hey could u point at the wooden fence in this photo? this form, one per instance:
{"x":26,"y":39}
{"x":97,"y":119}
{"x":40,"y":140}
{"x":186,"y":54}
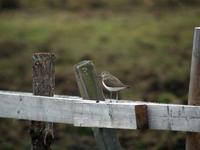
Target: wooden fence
{"x":121,"y":114}
{"x":104,"y":116}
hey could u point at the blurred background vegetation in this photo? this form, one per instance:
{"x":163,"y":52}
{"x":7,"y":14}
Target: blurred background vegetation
{"x":146,"y":43}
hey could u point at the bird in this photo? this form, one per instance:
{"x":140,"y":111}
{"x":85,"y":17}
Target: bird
{"x":112,"y":83}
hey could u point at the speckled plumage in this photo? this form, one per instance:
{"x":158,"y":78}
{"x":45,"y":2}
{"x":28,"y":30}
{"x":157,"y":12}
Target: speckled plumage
{"x":111,"y":83}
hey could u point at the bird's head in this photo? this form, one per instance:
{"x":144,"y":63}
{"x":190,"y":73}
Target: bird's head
{"x":104,"y":74}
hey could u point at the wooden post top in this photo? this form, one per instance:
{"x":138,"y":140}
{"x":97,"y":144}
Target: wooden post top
{"x":196,"y":42}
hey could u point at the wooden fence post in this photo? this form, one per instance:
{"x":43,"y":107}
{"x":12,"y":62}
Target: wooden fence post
{"x":193,"y":139}
{"x":90,"y":88}
{"x":43,"y":84}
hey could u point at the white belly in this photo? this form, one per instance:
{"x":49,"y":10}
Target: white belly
{"x":112,"y":89}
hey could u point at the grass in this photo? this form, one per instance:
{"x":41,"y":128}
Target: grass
{"x":137,"y":43}
{"x":149,"y":50}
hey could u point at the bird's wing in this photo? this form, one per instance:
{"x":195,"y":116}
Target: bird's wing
{"x":112,"y":81}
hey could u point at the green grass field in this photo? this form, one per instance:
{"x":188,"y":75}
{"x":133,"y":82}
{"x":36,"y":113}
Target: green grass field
{"x":149,"y":50}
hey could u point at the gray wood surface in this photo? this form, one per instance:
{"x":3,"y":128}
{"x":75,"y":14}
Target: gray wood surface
{"x":102,"y":114}
{"x":90,"y":88}
{"x":43,"y":84}
{"x":66,"y":109}
{"x":193,"y":139}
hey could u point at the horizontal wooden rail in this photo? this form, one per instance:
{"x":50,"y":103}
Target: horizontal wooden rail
{"x":104,"y":114}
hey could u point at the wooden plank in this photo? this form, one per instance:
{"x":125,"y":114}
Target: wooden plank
{"x":64,"y":109}
{"x":160,"y":116}
{"x":43,"y":84}
{"x":90,"y":88}
{"x":174,"y":117}
{"x":103,"y":114}
{"x":193,"y":139}
{"x":39,"y":108}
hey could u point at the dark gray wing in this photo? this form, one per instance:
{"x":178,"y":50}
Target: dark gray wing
{"x":112,"y":81}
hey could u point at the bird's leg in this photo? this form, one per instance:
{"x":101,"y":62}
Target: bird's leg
{"x":110,"y":95}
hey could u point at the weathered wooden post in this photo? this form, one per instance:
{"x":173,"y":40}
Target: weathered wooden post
{"x":90,"y":88}
{"x":43,"y":84}
{"x":193,"y":139}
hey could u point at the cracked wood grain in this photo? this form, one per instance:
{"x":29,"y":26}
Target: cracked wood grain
{"x":66,"y":109}
{"x":90,"y":88}
{"x":43,"y":84}
{"x":193,"y":139}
